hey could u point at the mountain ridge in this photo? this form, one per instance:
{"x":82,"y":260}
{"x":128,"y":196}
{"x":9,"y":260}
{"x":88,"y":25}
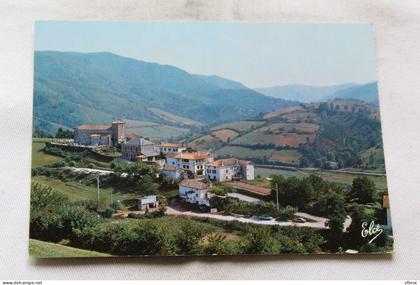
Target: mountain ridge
{"x":311,"y":93}
{"x":72,"y":88}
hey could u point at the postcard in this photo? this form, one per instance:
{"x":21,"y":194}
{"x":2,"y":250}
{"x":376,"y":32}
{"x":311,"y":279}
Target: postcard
{"x":206,"y":138}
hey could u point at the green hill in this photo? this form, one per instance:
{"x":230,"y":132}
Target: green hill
{"x":77,"y":88}
{"x":39,"y":248}
{"x":305,"y":135}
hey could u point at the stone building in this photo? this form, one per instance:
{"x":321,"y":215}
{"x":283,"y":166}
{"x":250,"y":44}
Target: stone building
{"x":100,"y":134}
{"x":139,"y":149}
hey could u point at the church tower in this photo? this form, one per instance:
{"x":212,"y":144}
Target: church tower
{"x":118,"y":132}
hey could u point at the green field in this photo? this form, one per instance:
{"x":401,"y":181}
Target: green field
{"x":174,"y":118}
{"x":138,"y":123}
{"x":286,"y":156}
{"x":240,"y":126}
{"x":256,"y":137}
{"x":39,"y":158}
{"x":157,"y":131}
{"x":80,"y":192}
{"x":39,"y":248}
{"x":341,"y":178}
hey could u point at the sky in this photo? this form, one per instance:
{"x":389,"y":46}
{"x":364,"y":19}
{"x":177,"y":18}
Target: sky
{"x":255,"y":54}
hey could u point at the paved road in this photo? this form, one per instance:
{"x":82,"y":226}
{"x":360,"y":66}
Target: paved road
{"x":89,"y":170}
{"x":319,"y":221}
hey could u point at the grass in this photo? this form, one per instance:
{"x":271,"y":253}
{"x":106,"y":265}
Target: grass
{"x":139,"y":123}
{"x":287,"y":156}
{"x":39,"y":248}
{"x":341,"y":178}
{"x":256,"y":137}
{"x":225,"y":134}
{"x":174,"y":118}
{"x":240,"y":126}
{"x":174,"y":224}
{"x":260,"y":136}
{"x":80,"y":192}
{"x":41,"y":140}
{"x":157,"y":131}
{"x":204,"y":143}
{"x":39,"y":158}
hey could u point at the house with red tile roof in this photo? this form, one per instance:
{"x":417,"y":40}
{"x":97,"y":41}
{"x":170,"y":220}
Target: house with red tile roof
{"x":192,"y":163}
{"x":229,"y":169}
{"x":194,"y":192}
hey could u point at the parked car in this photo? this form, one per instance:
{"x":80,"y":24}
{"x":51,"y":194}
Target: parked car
{"x":299,"y":220}
{"x":264,"y":218}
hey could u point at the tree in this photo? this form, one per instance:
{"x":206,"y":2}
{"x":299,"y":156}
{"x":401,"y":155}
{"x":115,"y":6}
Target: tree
{"x":363,"y":190}
{"x":336,"y":212}
{"x":260,"y":240}
{"x":359,"y":215}
{"x":303,"y":162}
{"x":188,"y":238}
{"x":294,"y":191}
{"x":216,"y":244}
{"x":64,"y":134}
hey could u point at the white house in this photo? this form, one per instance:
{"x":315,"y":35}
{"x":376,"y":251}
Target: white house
{"x":147,"y":202}
{"x":190,"y":162}
{"x":229,"y":169}
{"x":194,"y":192}
{"x":166,"y":148}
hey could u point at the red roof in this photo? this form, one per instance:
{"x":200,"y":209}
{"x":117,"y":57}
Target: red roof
{"x":191,"y":155}
{"x":190,"y":183}
{"x":169,"y":168}
{"x":228,"y":162}
{"x":133,"y":136}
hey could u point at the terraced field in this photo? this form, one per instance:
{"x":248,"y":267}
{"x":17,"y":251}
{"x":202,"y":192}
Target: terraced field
{"x":225,"y":134}
{"x":240,"y":126}
{"x":174,"y":118}
{"x":157,"y":131}
{"x":204,"y":143}
{"x":287,"y":156}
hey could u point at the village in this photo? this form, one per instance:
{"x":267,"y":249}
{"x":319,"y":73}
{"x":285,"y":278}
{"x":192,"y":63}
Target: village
{"x":196,"y":173}
{"x":127,"y":180}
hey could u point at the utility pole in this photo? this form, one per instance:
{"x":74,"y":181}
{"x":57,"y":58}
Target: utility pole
{"x":97,"y":185}
{"x":112,"y":204}
{"x":277,"y":196}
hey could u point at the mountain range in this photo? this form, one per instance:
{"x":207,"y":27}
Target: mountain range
{"x":73,"y":88}
{"x":307,"y":93}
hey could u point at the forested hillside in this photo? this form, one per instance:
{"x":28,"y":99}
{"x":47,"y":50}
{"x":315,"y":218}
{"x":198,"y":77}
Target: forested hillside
{"x":77,"y":88}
